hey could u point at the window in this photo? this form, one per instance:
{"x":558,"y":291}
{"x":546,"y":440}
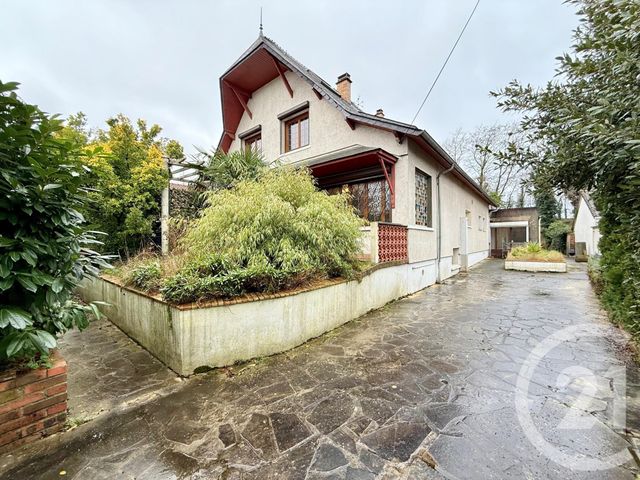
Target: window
{"x":423,"y":213}
{"x":480,"y":223}
{"x":467,"y":214}
{"x":254,"y":142}
{"x":296,"y":132}
{"x":371,"y":199}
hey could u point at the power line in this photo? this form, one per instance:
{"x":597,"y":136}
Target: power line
{"x":446,"y":61}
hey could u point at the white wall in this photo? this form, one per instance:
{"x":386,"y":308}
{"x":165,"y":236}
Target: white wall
{"x":586,"y":228}
{"x":456,"y":200}
{"x":328,"y":129}
{"x":188,"y":337}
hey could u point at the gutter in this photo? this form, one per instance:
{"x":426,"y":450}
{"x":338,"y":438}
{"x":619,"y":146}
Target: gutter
{"x":439,"y":236}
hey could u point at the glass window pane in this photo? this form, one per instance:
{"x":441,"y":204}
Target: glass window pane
{"x":293,"y":136}
{"x":304,"y":132}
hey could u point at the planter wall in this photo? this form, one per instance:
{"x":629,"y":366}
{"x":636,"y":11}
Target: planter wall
{"x":224,"y":332}
{"x":33,"y":403}
{"x":559,"y":267}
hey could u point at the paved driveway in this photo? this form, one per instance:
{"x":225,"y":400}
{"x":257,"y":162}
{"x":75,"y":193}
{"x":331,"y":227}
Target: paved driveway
{"x":424,"y":388}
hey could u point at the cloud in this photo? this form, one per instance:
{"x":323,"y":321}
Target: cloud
{"x":160,"y":60}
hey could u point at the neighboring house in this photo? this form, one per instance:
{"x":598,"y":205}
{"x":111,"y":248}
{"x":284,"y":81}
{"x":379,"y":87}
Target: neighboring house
{"x":511,"y":226}
{"x":395,"y":172}
{"x":585,"y":225}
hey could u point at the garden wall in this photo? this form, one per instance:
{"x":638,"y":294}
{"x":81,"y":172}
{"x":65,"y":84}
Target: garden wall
{"x":33,"y":404}
{"x":223,"y":332}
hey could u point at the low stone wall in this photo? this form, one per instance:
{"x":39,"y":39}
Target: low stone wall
{"x":33,"y":403}
{"x":559,"y":267}
{"x":220,"y":333}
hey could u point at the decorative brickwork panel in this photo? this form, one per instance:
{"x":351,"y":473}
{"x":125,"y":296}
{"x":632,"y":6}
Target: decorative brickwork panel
{"x":392,"y":243}
{"x":33,"y":403}
{"x":424,"y":215}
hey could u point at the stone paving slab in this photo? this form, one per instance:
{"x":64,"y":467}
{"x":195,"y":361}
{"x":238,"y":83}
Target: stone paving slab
{"x":424,"y":388}
{"x":107,"y":370}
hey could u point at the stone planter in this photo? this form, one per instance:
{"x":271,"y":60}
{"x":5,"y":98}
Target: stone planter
{"x":187,"y":338}
{"x":558,"y":267}
{"x":33,"y":403}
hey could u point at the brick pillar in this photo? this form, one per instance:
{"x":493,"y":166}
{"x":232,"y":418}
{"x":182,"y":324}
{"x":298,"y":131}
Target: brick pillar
{"x":33,"y":403}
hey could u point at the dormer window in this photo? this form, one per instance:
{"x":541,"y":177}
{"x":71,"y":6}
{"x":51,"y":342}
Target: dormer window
{"x":296,"y":132}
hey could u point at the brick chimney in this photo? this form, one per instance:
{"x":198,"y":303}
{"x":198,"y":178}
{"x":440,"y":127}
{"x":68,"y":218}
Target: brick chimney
{"x":344,"y":86}
{"x":380,"y":113}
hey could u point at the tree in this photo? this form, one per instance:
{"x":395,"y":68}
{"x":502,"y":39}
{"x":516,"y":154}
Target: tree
{"x":556,"y":235}
{"x":476,"y":151}
{"x":587,"y":123}
{"x":45,"y":248}
{"x":127,"y":175}
{"x":224,"y":170}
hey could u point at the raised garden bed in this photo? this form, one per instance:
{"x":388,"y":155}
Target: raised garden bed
{"x":533,"y":258}
{"x":559,"y":267}
{"x":218,"y":333}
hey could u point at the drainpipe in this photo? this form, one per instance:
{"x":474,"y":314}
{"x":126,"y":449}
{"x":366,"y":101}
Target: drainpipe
{"x":439,"y":236}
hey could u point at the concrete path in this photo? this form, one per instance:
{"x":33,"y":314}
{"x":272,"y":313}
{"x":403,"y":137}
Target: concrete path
{"x":426,"y":388}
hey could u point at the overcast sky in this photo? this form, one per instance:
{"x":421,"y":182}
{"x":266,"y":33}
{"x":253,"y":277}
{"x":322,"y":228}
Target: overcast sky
{"x":160,"y":60}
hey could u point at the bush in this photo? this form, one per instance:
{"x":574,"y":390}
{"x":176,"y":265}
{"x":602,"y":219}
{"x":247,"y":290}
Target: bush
{"x":145,"y":276}
{"x":533,"y":252}
{"x":44,"y":249}
{"x":277,"y":232}
{"x":595,"y":274}
{"x":556,"y":235}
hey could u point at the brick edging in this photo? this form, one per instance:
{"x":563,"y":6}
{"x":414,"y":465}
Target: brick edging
{"x":33,"y":403}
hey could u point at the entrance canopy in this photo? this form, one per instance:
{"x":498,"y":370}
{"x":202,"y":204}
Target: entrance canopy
{"x":351,"y":165}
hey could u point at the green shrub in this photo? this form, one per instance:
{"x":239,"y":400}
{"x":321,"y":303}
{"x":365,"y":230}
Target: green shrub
{"x":533,"y":252}
{"x":44,"y":248}
{"x":595,"y":274}
{"x":556,"y":235}
{"x":145,"y":276}
{"x":272,"y":233}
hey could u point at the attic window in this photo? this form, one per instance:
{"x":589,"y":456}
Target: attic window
{"x":296,"y":132}
{"x":254,"y":142}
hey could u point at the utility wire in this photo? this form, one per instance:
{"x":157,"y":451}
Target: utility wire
{"x":446,"y":61}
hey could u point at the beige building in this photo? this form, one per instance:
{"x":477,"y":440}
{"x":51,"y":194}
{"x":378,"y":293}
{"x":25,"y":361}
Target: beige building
{"x":513,"y":226}
{"x":421,"y":206}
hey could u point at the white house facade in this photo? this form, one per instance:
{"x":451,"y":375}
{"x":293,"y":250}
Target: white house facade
{"x":585,"y":226}
{"x":422,"y":207}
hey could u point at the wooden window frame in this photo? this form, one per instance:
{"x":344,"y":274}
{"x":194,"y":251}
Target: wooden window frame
{"x":251,"y":139}
{"x":297,"y":119}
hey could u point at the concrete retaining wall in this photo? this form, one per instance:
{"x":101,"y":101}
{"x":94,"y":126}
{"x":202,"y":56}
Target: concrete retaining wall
{"x":559,"y":267}
{"x":185,"y":338}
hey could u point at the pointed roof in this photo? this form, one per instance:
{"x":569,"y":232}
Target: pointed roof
{"x":265,"y":60}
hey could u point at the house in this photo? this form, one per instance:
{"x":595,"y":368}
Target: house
{"x":422,"y":207}
{"x":585,"y":225}
{"x":510,"y":226}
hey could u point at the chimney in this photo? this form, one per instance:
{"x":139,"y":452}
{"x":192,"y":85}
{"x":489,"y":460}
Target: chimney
{"x":379,"y":113}
{"x":344,"y":86}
